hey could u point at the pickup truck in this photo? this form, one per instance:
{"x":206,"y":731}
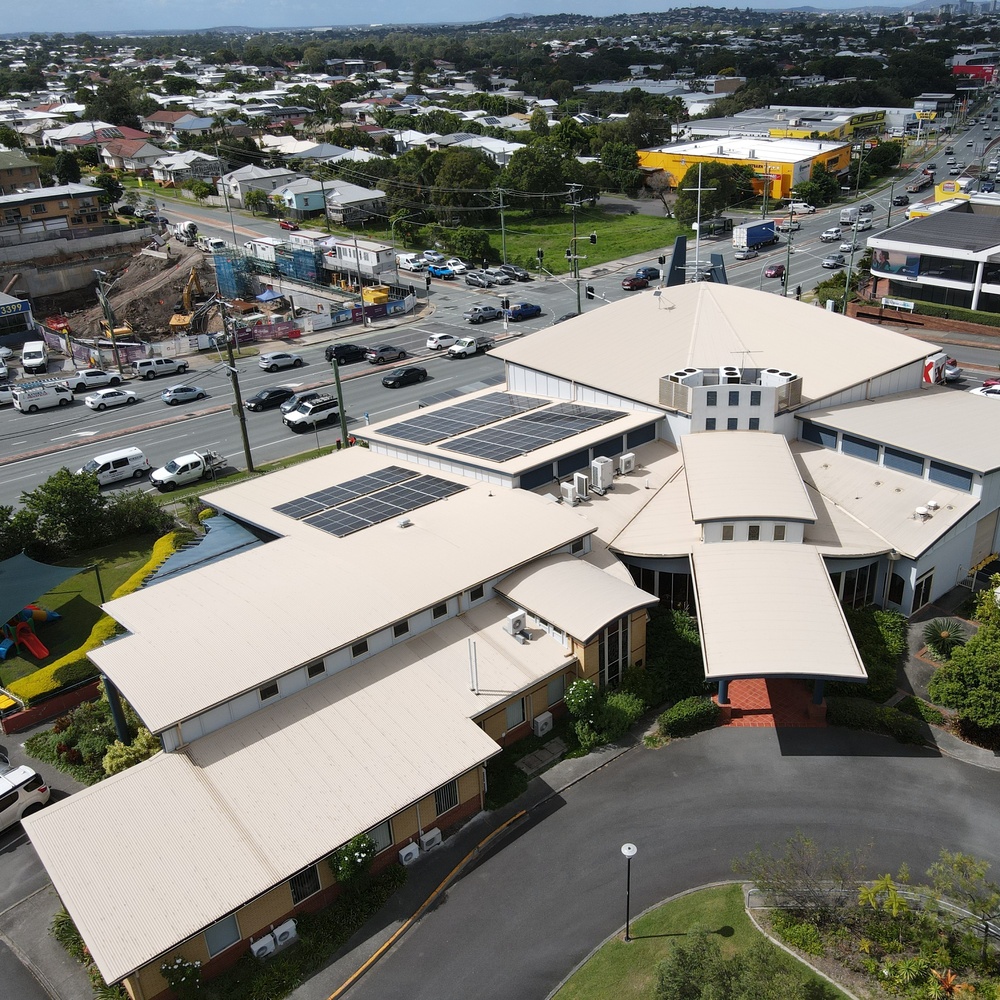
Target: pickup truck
{"x":469,"y":346}
{"x":481,"y":312}
{"x":187,"y":469}
{"x":523,"y":310}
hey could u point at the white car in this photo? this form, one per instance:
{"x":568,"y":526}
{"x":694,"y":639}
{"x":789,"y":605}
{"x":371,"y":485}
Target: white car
{"x":104,"y":398}
{"x":280,"y":359}
{"x":831,"y":235}
{"x":6,"y":354}
{"x":993,"y":391}
{"x":456,"y":265}
{"x":6,"y":393}
{"x":91,"y":378}
{"x":849,"y":247}
{"x":440,"y":341}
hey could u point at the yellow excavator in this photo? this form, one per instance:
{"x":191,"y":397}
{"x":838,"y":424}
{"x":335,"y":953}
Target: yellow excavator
{"x":181,"y":320}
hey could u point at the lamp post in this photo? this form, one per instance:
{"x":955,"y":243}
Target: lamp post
{"x":630,"y":851}
{"x":888,"y":214}
{"x":788,"y":252}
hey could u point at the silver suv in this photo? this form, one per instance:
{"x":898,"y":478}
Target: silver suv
{"x":155,"y":367}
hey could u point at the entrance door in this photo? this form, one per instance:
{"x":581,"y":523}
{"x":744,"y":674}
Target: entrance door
{"x":922,"y":591}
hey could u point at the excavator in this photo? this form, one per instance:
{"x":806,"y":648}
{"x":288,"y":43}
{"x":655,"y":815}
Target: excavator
{"x":188,"y":313}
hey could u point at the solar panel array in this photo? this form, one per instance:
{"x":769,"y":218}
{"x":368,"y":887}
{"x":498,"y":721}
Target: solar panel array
{"x":439,"y":397}
{"x":531,"y":431}
{"x":451,"y":420}
{"x":313,"y":503}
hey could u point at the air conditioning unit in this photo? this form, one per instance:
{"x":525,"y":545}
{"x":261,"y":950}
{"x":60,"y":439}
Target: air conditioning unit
{"x":285,"y":934}
{"x":626,"y":463}
{"x":776,"y":377}
{"x":582,"y":483}
{"x":263,"y":947}
{"x":687,"y":376}
{"x":542,"y":724}
{"x":569,"y":494}
{"x":409,"y":854}
{"x":430,"y":839}
{"x":515,"y":622}
{"x":729,"y":375}
{"x":602,"y":473}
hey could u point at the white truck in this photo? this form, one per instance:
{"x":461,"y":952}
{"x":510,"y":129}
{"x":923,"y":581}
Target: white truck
{"x":187,"y":469}
{"x":210,"y":244}
{"x":848,"y":216}
{"x":466,"y":347}
{"x":186,"y":232}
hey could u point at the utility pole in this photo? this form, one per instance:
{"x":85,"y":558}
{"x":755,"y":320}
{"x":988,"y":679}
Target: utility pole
{"x":340,"y":402}
{"x":361,"y":288}
{"x":788,"y":252}
{"x":225,"y":193}
{"x":503,"y":228}
{"x":234,"y":377}
{"x":574,"y":263}
{"x":850,"y":264}
{"x":697,"y":234}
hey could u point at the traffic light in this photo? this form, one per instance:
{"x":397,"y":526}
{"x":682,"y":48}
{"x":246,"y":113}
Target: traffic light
{"x":569,"y":253}
{"x":593,"y":237}
{"x":505,"y":303}
{"x":539,"y":253}
{"x":782,"y":281}
{"x":798,"y":291}
{"x":662,"y":260}
{"x":428,"y":281}
{"x":590,"y":291}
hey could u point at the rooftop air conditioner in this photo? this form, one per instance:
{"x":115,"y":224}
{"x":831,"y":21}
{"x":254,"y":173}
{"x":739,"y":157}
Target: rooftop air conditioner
{"x":409,"y":854}
{"x":602,"y":474}
{"x":542,"y":724}
{"x":285,"y":934}
{"x":430,"y":839}
{"x":729,"y":375}
{"x":569,"y":494}
{"x":581,"y":481}
{"x":776,"y":377}
{"x":263,"y":947}
{"x":687,"y":376}
{"x":626,"y":463}
{"x":515,"y":623}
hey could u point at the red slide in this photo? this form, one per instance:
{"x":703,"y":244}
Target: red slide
{"x":25,"y":637}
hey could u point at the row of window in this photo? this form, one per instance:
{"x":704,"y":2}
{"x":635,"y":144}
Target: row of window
{"x":733,"y":424}
{"x":515,"y":714}
{"x":753,"y":532}
{"x":712,"y":397}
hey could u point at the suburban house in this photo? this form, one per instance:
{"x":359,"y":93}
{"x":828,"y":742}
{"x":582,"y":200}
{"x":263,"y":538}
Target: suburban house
{"x":236,"y":183}
{"x":172,"y":169}
{"x":345,"y":203}
{"x":162,"y":123}
{"x":17,"y":172}
{"x":137,"y":156}
{"x":729,"y":462}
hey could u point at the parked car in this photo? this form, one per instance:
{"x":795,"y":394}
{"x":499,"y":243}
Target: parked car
{"x":633,"y":282}
{"x":182,"y":394}
{"x":91,"y":378}
{"x":104,"y":398}
{"x":523,"y":310}
{"x":155,"y":367}
{"x":275,"y":360}
{"x":6,"y":393}
{"x":268,"y":399}
{"x":440,"y":341}
{"x":345,"y":354}
{"x":288,"y":224}
{"x":433,"y":257}
{"x":295,"y":401}
{"x":748,"y":254}
{"x":456,"y":265}
{"x":774,"y":271}
{"x":127,"y":210}
{"x":404,"y":376}
{"x":900,"y":199}
{"x":834,"y":260}
{"x":831,"y":235}
{"x":515,"y":272}
{"x":440,"y":271}
{"x":497,"y":276}
{"x":993,"y":391}
{"x":384,"y":352}
{"x":649,"y":273}
{"x":479,"y":278}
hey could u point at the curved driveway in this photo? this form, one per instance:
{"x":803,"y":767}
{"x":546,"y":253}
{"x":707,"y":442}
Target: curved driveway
{"x":516,"y":923}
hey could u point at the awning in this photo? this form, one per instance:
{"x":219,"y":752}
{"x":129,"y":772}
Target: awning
{"x":269,"y":295}
{"x":22,"y":580}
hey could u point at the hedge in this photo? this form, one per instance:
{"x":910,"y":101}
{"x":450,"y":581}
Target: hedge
{"x":859,"y":713}
{"x":688,"y":717}
{"x":75,"y":666}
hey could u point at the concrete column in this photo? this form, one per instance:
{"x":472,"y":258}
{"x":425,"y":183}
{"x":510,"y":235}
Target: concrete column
{"x":978,"y":287}
{"x":724,"y":691}
{"x":818,"y":691}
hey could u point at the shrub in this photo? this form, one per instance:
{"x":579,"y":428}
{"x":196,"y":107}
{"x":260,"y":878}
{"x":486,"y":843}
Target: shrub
{"x":648,"y":685}
{"x":120,"y":757}
{"x":674,"y":654}
{"x":350,"y":863}
{"x":859,"y":713}
{"x":620,"y":711}
{"x":689,"y":716}
{"x":800,"y":934}
{"x":944,"y":635}
{"x":587,"y":736}
{"x":881,"y":640}
{"x":920,"y":710}
{"x":581,"y":699}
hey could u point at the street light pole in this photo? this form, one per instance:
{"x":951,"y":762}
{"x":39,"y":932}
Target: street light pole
{"x":630,"y":851}
{"x":574,"y":263}
{"x":888,"y":214}
{"x":234,"y":377}
{"x":788,"y":252}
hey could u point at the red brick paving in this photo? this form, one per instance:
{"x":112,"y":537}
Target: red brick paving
{"x":770,"y":703}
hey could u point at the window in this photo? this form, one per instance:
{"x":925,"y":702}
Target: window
{"x":440,"y":610}
{"x":710,"y":424}
{"x":779,"y":532}
{"x":732,"y":424}
{"x":859,"y":448}
{"x":222,"y":934}
{"x":359,"y":648}
{"x":304,"y":885}
{"x":577,"y":547}
{"x":896,"y":585}
{"x":446,"y":797}
{"x":948,"y":475}
{"x":641,"y":436}
{"x":711,"y":398}
{"x":39,"y":209}
{"x":755,"y":397}
{"x":727,"y":532}
{"x":753,"y":532}
{"x":734,"y":397}
{"x":754,"y":424}
{"x":268,"y":691}
{"x":555,"y":691}
{"x":818,"y":435}
{"x":922,"y":590}
{"x":401,"y":628}
{"x":613,"y":652}
{"x":514,"y":715}
{"x":316,"y":669}
{"x":476,"y":594}
{"x":381,"y":836}
{"x":903,"y":461}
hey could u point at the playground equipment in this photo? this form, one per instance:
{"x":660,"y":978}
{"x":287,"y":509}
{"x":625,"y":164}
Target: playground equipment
{"x":19,"y":632}
{"x":24,"y":635}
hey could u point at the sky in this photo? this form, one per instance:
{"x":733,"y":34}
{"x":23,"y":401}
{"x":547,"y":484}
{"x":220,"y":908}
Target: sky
{"x":72,"y":16}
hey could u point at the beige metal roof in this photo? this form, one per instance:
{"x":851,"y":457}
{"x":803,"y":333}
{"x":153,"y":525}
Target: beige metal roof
{"x":199,"y":639}
{"x":708,"y":325}
{"x":768,"y":609}
{"x":883,"y":500}
{"x":663,"y":528}
{"x":942,"y":423}
{"x":572,"y":594}
{"x":738,"y":474}
{"x":246,"y":807}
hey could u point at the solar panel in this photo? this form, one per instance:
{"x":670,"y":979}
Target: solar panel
{"x":299,"y":508}
{"x":333,"y":495}
{"x":465,"y":416}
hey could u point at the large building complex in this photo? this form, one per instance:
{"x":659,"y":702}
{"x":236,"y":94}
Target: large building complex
{"x":406,"y":609}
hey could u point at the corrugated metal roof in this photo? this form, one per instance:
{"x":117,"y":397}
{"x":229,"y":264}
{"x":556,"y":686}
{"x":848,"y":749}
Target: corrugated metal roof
{"x":705,"y":325}
{"x":957,"y":229}
{"x":768,"y":609}
{"x":201,"y":639}
{"x":248,"y":806}
{"x":945,"y":424}
{"x":737,"y":474}
{"x":573,"y":595}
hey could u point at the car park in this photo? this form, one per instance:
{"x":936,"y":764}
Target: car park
{"x":634,"y":282}
{"x":296,"y":400}
{"x":384,"y":352}
{"x":900,"y":199}
{"x":182,"y":394}
{"x":774,"y":271}
{"x":268,"y":399}
{"x":480,"y":313}
{"x":433,"y":257}
{"x":404,"y":376}
{"x":288,"y":224}
{"x":345,"y":354}
{"x":456,"y":265}
{"x":833,"y":260}
{"x":747,"y":253}
{"x":649,"y":273}
{"x":515,"y":272}
{"x":831,"y":235}
{"x":147,"y":368}
{"x":275,"y":360}
{"x":440,"y":271}
{"x":479,"y":278}
{"x":440,"y":341}
{"x":104,"y":398}
{"x":523,"y":310}
{"x":91,"y":378}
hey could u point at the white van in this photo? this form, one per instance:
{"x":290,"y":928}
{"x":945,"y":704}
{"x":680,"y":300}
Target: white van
{"x":126,"y":463}
{"x":801,"y":208}
{"x":411,"y":262}
{"x":34,"y":396}
{"x":35,"y":357}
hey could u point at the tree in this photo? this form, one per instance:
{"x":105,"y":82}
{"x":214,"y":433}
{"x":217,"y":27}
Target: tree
{"x":539,"y":122}
{"x":200,"y":189}
{"x":538,"y":169}
{"x":961,"y":878}
{"x":471,"y":244}
{"x":464,"y":181}
{"x":620,"y":162}
{"x":121,"y":756}
{"x":69,"y":511}
{"x":255,"y":200}
{"x":9,"y":138}
{"x":67,"y":169}
{"x":113,"y":188}
{"x":721,"y":187}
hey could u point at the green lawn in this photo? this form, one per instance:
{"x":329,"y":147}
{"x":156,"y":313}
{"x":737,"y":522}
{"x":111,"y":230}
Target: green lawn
{"x":628,"y":971}
{"x":78,"y":601}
